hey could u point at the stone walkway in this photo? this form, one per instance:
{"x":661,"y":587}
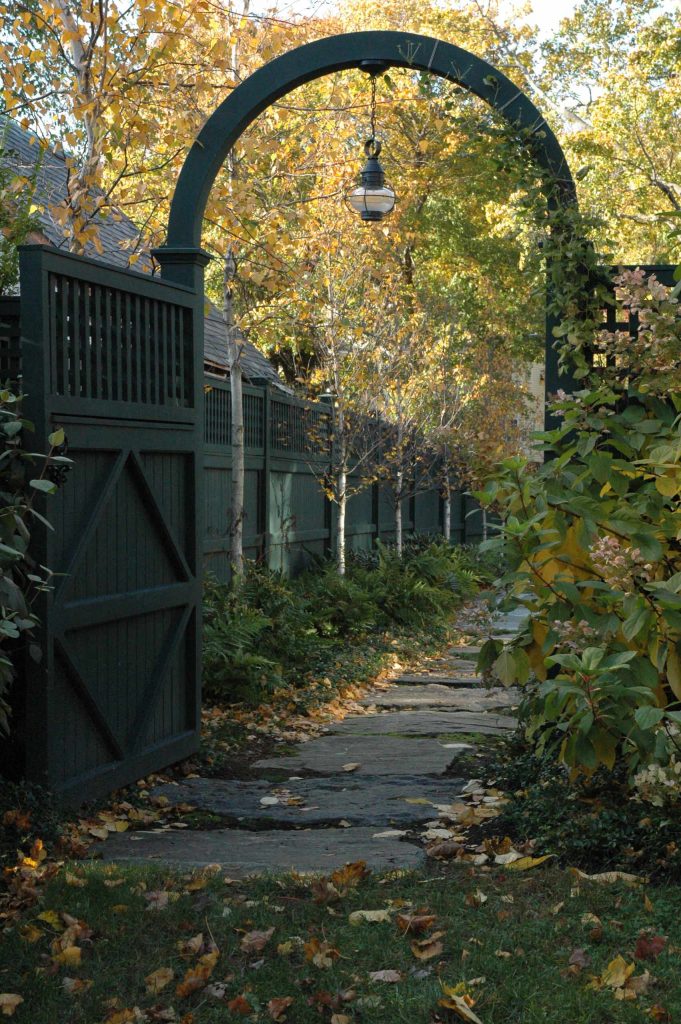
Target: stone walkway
{"x":361,"y":792}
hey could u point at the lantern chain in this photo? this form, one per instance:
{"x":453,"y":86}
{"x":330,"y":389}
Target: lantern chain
{"x":373,"y":108}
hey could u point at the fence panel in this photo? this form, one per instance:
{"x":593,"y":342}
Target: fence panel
{"x":115,"y":359}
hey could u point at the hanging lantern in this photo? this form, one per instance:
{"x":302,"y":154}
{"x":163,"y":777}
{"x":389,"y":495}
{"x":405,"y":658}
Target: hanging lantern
{"x":373,"y":199}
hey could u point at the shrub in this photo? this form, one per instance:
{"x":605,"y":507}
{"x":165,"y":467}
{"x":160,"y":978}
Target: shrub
{"x":264,"y":631}
{"x":592,"y":540}
{"x":593,"y":823}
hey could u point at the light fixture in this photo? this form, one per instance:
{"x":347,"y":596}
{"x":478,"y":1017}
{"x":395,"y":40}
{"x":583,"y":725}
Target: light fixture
{"x":373,"y":199}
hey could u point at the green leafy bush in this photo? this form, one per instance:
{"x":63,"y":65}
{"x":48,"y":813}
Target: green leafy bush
{"x":592,"y":538}
{"x":593,"y":823}
{"x":264,"y":631}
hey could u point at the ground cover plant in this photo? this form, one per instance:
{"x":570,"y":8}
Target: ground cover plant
{"x":595,"y":823}
{"x":265,"y":632}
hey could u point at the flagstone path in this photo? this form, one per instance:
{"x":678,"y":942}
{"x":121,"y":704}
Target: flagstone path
{"x":361,"y":792}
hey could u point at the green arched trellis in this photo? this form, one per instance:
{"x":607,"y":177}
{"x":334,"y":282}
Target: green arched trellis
{"x":182,"y":259}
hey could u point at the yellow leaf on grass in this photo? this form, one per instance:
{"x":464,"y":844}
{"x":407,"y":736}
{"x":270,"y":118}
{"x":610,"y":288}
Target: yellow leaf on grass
{"x":617,"y":972}
{"x":52,"y":918}
{"x":69,"y":957}
{"x":9,"y":1002}
{"x":197,"y":977}
{"x":525,"y":863}
{"x":461,"y":1005}
{"x":157,"y":980}
{"x":609,"y":877}
{"x":30,"y":933}
{"x":427,"y":949}
{"x":321,"y":954}
{"x":74,"y":880}
{"x":371,"y":916}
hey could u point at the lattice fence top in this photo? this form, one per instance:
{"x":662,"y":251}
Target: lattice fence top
{"x":115,"y":345}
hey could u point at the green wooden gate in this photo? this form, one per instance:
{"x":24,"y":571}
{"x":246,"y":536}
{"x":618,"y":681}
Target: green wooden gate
{"x":115,"y":358}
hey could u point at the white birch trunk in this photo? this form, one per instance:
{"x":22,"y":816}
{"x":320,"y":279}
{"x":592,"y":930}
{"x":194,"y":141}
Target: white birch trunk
{"x":398,"y":513}
{"x":447,"y":513}
{"x":342,"y":507}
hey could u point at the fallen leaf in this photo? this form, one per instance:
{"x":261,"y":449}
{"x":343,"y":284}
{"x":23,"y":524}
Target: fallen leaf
{"x":69,"y":957}
{"x":21,"y":820}
{"x":240,"y":1005}
{"x":659,"y":1013}
{"x":615,"y":976}
{"x":9,"y":1002}
{"x":74,"y":880}
{"x":30,"y":933}
{"x":649,"y":947}
{"x":158,"y":899}
{"x":461,"y":1005}
{"x":52,"y":918}
{"x":415,"y":923}
{"x":349,"y":876}
{"x":74,"y":986}
{"x":640,"y":984}
{"x":372,"y":916}
{"x":508,"y":858}
{"x":389,"y":976}
{"x":99,"y":833}
{"x":197,"y":976}
{"x":255,"y":942}
{"x":340,"y":1018}
{"x":157,"y":980}
{"x":277,"y":1007}
{"x":321,"y":954}
{"x":427,"y":949}
{"x":525,"y":863}
{"x":579,"y":958}
{"x":609,"y":877}
{"x":448,"y":849}
{"x":191,"y":947}
{"x":475,"y":899}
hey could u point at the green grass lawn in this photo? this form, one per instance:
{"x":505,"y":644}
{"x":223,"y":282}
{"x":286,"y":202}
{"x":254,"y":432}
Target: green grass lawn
{"x":516,"y":936}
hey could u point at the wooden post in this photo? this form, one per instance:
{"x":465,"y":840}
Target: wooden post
{"x":266,"y":499}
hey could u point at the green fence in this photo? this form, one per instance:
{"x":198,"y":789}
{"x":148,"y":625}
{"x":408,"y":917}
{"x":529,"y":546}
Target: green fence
{"x":288,"y":521}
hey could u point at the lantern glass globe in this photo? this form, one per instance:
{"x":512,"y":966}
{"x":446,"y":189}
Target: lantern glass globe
{"x":372,"y":203}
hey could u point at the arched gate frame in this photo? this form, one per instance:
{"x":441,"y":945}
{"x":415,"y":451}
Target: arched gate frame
{"x":182,"y":260}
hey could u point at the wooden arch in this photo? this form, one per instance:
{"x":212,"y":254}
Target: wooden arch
{"x":182,"y":260}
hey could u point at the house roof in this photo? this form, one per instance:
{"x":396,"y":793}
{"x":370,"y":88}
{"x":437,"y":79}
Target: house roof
{"x":25,"y":155}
